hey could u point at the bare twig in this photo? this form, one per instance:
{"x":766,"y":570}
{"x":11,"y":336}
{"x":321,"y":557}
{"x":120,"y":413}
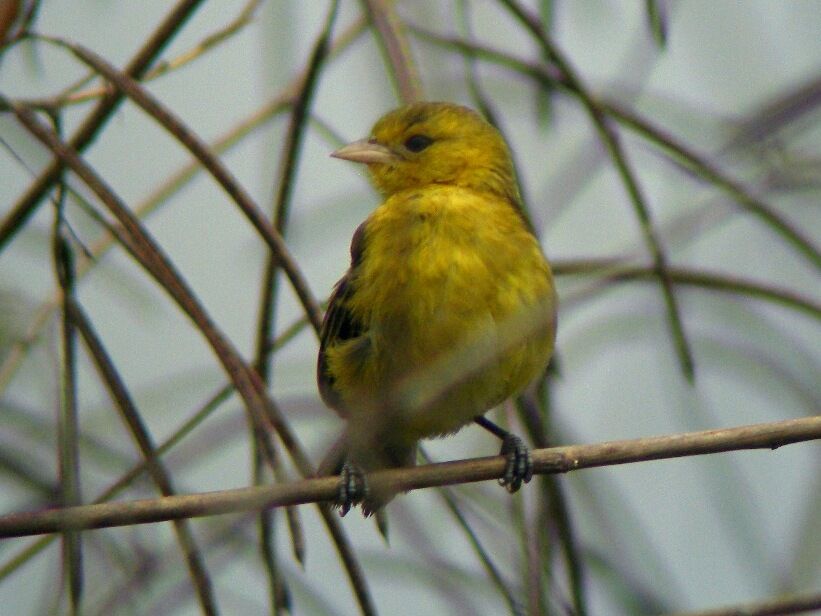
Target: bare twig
{"x":392,"y":36}
{"x":286,"y":177}
{"x":481,"y":552}
{"x":269,"y":287}
{"x":700,"y":165}
{"x":610,"y":271}
{"x":68,"y":428}
{"x":795,"y":604}
{"x":656,"y":21}
{"x":552,"y":460}
{"x":556,"y":507}
{"x":77,"y":92}
{"x":485,"y":106}
{"x":8,"y":15}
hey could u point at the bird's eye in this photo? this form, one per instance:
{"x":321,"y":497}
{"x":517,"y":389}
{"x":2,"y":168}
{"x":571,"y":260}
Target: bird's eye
{"x":417,"y":143}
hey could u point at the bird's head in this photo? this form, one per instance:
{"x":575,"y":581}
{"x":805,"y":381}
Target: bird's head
{"x":434,"y":143}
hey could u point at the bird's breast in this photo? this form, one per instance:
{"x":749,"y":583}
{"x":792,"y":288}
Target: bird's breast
{"x":444,"y":265}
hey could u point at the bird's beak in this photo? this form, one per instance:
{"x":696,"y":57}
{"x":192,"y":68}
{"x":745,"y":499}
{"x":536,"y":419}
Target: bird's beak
{"x":365,"y":151}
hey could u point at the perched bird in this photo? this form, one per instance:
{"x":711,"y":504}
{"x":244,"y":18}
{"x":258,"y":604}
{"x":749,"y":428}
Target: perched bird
{"x":448,"y":307}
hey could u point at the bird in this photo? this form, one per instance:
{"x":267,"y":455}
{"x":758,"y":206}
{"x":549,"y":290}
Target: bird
{"x":448,"y":307}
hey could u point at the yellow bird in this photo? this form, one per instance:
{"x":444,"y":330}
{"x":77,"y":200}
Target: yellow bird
{"x":448,"y":307}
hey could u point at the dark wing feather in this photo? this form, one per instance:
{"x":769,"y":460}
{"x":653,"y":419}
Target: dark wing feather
{"x":339,"y":323}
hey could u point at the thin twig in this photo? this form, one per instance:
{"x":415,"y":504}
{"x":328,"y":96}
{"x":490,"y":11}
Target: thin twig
{"x":395,"y":43}
{"x":553,"y":460}
{"x":709,"y":172}
{"x":611,"y":272}
{"x":8,"y":15}
{"x":776,"y":115}
{"x":300,"y":112}
{"x":485,"y":106}
{"x":473,"y":538}
{"x":794,"y":604}
{"x":74,"y":94}
{"x":556,"y":507}
{"x":68,"y":428}
{"x":243,"y":18}
{"x":656,"y":22}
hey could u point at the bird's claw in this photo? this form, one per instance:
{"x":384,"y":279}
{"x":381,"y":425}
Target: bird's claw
{"x":352,"y":488}
{"x":519,"y":467}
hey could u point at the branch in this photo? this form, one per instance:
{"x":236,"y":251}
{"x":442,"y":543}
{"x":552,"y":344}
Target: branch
{"x":545,"y":461}
{"x":795,"y":604}
{"x":391,"y":31}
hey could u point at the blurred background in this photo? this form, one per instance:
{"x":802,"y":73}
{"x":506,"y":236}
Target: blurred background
{"x":715,"y":111}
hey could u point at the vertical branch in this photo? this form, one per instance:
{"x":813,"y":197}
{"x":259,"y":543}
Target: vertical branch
{"x":285,"y":183}
{"x":553,"y":500}
{"x":139,"y":431}
{"x":395,"y":44}
{"x":67,"y":421}
{"x":656,"y":21}
{"x":300,"y":113}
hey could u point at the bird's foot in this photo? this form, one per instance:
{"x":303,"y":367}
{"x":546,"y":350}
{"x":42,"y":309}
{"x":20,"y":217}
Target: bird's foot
{"x":352,"y":489}
{"x":519,"y":466}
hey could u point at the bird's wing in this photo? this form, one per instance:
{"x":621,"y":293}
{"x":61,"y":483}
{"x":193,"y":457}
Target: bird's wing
{"x":339,"y":324}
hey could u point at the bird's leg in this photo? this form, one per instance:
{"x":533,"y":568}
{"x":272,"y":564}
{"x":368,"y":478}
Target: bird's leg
{"x":352,"y":488}
{"x":519,"y":466}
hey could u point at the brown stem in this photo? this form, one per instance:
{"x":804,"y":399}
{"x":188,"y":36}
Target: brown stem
{"x":553,"y":460}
